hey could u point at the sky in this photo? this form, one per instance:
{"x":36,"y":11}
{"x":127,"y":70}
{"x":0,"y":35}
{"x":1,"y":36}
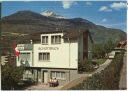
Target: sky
{"x":110,"y":14}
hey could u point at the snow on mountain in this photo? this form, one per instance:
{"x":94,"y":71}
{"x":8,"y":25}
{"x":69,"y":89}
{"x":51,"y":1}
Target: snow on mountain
{"x":49,"y":13}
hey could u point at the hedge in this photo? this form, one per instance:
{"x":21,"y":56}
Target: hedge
{"x":107,"y":79}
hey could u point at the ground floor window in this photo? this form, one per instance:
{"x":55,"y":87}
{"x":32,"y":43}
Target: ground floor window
{"x":58,"y":74}
{"x":25,"y":58}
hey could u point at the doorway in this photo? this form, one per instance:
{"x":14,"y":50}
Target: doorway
{"x":45,"y":77}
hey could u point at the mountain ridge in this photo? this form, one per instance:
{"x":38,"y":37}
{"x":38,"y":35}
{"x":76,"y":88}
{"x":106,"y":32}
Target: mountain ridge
{"x":30,"y":22}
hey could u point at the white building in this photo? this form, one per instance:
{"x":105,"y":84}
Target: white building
{"x":57,"y":55}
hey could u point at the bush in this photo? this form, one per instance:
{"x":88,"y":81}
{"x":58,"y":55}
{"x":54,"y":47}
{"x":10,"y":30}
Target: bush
{"x":107,"y":79}
{"x":100,"y":61}
{"x":11,"y":76}
{"x":98,"y":51}
{"x":89,"y":66}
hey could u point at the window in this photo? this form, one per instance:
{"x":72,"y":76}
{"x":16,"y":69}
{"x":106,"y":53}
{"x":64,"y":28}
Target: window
{"x":40,"y":56}
{"x":44,"y":56}
{"x":25,"y":59}
{"x":63,"y":75}
{"x":44,"y":39}
{"x":24,"y":56}
{"x":56,"y":39}
{"x":53,"y":75}
{"x":58,"y":74}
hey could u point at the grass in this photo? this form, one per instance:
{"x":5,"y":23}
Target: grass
{"x":100,"y":61}
{"x":90,"y":65}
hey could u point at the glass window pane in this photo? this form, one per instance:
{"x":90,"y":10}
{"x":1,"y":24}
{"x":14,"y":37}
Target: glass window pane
{"x":28,"y":56}
{"x":58,"y":75}
{"x":45,"y":39}
{"x":55,"y":39}
{"x":40,"y":56}
{"x":62,"y":75}
{"x":43,"y":56}
{"x":59,"y":39}
{"x":53,"y":75}
{"x":48,"y":56}
{"x":52,"y":39}
{"x":25,"y":56}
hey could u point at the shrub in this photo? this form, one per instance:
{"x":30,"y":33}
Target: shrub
{"x":107,"y":79}
{"x":89,"y":66}
{"x":100,"y":61}
{"x":11,"y":76}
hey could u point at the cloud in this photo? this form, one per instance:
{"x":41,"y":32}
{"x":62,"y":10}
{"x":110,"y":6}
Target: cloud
{"x":118,"y":6}
{"x":67,"y":4}
{"x":113,"y":6}
{"x":104,"y":20}
{"x":105,"y":9}
{"x":27,"y":1}
{"x":88,"y":3}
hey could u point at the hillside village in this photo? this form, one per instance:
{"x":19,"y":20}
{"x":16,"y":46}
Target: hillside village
{"x":42,"y":53}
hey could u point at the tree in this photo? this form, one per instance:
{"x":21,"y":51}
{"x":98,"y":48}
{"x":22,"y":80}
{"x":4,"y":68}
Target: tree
{"x":98,"y":51}
{"x":11,"y":76}
{"x":101,"y":50}
{"x":109,"y":46}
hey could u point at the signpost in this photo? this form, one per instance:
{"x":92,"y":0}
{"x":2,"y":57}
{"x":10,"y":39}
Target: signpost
{"x":24,"y":47}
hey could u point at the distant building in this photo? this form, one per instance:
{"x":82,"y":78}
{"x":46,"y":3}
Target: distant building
{"x":3,"y":60}
{"x":8,"y":58}
{"x":58,"y":55}
{"x":122,"y":44}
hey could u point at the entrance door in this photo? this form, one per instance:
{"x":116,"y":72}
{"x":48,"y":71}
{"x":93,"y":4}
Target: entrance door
{"x":45,"y":76}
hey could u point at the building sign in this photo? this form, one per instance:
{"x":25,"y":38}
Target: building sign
{"x":22,"y":47}
{"x":48,"y":48}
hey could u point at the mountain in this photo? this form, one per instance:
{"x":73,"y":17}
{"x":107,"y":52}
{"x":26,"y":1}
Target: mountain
{"x":30,"y":22}
{"x":49,"y":13}
{"x":27,"y":23}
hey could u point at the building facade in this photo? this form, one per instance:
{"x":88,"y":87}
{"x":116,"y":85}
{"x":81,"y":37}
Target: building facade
{"x":58,"y":55}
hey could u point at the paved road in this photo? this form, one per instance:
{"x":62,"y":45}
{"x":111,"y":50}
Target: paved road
{"x":123,"y":78}
{"x":41,"y":87}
